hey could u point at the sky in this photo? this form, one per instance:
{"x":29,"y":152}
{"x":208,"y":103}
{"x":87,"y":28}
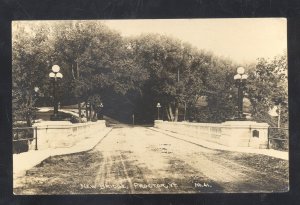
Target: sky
{"x":242,"y":40}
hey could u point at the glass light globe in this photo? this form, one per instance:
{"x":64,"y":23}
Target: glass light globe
{"x":59,"y":75}
{"x":55,"y":68}
{"x":240,"y":70}
{"x":245,"y":76}
{"x":237,"y":77}
{"x":158,"y":105}
{"x":51,"y":75}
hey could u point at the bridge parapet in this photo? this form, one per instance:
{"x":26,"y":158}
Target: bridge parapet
{"x":55,"y":134}
{"x":229,"y":133}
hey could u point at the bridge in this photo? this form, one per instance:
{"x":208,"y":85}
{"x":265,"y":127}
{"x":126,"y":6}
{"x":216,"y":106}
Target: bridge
{"x":131,"y":159}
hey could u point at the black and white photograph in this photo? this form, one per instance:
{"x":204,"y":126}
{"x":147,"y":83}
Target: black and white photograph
{"x":150,"y":106}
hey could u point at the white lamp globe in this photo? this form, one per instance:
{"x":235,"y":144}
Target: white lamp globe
{"x":237,"y":77}
{"x":55,"y":68}
{"x":244,"y":76}
{"x":240,"y":70}
{"x":59,"y":75}
{"x":51,"y":75}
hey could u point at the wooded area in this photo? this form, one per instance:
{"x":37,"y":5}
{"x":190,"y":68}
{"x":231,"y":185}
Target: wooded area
{"x":130,"y":75}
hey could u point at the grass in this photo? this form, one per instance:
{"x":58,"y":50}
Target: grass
{"x":262,"y":163}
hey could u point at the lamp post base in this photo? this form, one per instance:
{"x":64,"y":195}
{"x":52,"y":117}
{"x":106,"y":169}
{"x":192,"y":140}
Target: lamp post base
{"x":56,"y":117}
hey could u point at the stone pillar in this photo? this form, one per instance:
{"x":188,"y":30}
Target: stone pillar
{"x":157,"y":123}
{"x":244,"y":134}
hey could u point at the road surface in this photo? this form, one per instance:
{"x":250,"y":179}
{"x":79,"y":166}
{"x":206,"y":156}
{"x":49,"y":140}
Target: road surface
{"x":136,"y":160}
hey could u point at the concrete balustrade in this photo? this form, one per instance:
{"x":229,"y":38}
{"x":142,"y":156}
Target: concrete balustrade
{"x":229,"y":133}
{"x":65,"y":134}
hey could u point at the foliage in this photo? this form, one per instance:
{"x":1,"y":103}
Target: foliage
{"x":92,"y":58}
{"x":30,"y":53}
{"x":267,"y":87}
{"x":95,"y":59}
{"x":130,"y":75}
{"x":221,"y":95}
{"x":180,"y":74}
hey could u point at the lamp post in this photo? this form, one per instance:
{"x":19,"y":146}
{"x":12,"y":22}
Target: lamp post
{"x":240,"y":81}
{"x":35,"y":97}
{"x":101,"y":114}
{"x":158,"y":106}
{"x":132,"y":119}
{"x":55,"y":75}
{"x":35,"y":94}
{"x":88,"y":111}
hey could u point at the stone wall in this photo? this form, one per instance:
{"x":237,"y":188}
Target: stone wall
{"x":229,"y":133}
{"x":58,"y":134}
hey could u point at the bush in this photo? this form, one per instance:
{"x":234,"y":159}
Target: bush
{"x":75,"y":119}
{"x":22,"y":145}
{"x":281,"y":139}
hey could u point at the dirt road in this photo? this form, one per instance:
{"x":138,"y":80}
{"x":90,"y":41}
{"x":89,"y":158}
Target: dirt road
{"x":139,"y":160}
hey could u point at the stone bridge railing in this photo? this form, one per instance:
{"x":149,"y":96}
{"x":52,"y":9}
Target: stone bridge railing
{"x":59,"y":135}
{"x":229,"y":133}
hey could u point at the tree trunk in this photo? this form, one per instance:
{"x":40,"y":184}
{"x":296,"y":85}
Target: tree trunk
{"x":79,"y":103}
{"x":171,"y":112}
{"x":86,"y":111}
{"x":79,"y":109}
{"x":28,"y":119}
{"x":29,"y":111}
{"x":91,"y":112}
{"x":279,"y":115}
{"x":95,"y":115}
{"x":77,"y":69}
{"x":73,"y":74}
{"x":176,"y":112}
{"x":168,"y":115}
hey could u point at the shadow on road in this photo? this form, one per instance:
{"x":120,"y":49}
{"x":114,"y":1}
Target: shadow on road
{"x":110,"y":122}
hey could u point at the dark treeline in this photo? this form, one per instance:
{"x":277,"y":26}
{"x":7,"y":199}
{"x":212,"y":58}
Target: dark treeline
{"x":130,"y":75}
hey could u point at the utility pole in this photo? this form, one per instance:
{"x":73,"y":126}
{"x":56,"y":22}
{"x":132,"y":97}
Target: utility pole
{"x":79,"y":103}
{"x":184,"y":110}
{"x":279,"y":115}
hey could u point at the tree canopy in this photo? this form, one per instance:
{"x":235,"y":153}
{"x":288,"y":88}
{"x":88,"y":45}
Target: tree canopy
{"x":29,"y":58}
{"x":267,"y":87}
{"x":130,"y":75}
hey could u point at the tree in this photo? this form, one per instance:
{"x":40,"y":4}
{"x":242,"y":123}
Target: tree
{"x":176,"y":71}
{"x":93,"y":59}
{"x":96,"y":59}
{"x":130,"y":75}
{"x":219,"y":92}
{"x":267,"y":87}
{"x":72,"y":42}
{"x":30,"y":51}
